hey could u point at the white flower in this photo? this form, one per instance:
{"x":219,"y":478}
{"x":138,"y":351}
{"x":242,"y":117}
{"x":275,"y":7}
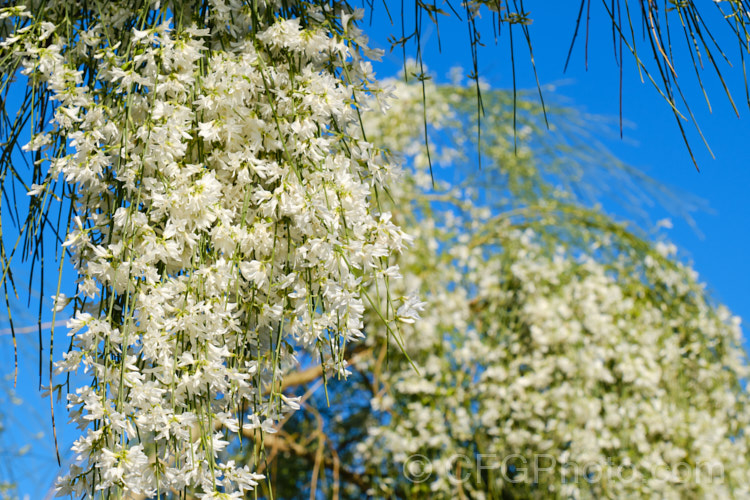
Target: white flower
{"x":36,"y":190}
{"x":254,"y":272}
{"x":410,"y":308}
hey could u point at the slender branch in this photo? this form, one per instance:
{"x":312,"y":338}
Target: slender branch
{"x":315,"y":372}
{"x":279,"y":443}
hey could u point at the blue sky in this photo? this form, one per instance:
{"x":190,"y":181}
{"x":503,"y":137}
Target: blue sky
{"x":717,"y":246}
{"x":653,"y":143}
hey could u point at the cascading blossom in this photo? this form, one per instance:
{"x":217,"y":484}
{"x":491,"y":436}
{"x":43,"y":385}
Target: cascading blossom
{"x":224,"y":217}
{"x":554,"y":375}
{"x":558,"y":356}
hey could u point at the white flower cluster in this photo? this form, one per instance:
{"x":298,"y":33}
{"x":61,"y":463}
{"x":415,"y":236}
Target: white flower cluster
{"x":559,"y":356}
{"x":617,"y":372}
{"x":224,"y":218}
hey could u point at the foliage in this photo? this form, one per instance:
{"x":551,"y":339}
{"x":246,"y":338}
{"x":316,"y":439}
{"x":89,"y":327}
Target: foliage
{"x":670,"y":42}
{"x":205,"y":167}
{"x":559,"y":355}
